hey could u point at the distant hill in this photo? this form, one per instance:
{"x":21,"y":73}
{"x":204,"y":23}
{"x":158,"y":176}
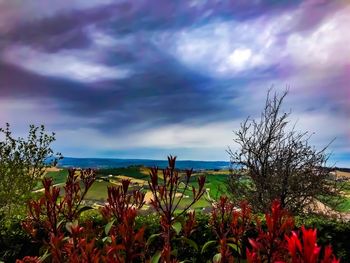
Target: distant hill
{"x":118,"y":163}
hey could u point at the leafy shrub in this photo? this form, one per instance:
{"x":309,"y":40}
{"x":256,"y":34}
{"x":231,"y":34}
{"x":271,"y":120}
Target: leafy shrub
{"x":330,"y":231}
{"x":14,"y":241}
{"x":22,"y":164}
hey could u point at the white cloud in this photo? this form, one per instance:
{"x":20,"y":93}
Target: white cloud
{"x":64,"y":64}
{"x":327,"y":46}
{"x":229,"y":47}
{"x":218,"y":134}
{"x":206,"y":142}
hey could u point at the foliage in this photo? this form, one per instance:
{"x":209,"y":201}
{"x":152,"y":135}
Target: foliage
{"x":165,"y":201}
{"x":120,"y":234}
{"x":14,"y":241}
{"x":330,"y":231}
{"x":126,"y":242}
{"x":277,"y":162}
{"x":49,"y":214}
{"x":22,"y":163}
{"x":230,"y":225}
{"x":270,"y":246}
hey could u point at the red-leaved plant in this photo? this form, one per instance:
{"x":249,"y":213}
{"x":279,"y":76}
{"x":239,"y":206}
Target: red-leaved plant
{"x":279,"y":244}
{"x":269,"y":246}
{"x":52,"y":215}
{"x":306,"y":250}
{"x":167,"y":195}
{"x":230,"y":225}
{"x":125,"y":243}
{"x":51,"y":212}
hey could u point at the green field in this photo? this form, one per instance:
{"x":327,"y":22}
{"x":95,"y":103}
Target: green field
{"x":341,"y":204}
{"x":216,"y":182}
{"x":98,"y":191}
{"x":58,"y":176}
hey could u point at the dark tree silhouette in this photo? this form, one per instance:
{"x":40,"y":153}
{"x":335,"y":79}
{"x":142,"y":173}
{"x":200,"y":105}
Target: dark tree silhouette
{"x":274,"y":161}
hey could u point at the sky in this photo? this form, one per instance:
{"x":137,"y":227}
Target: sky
{"x":144,"y":79}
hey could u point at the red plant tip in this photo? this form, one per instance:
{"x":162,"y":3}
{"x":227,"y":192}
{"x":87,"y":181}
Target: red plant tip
{"x":139,"y":198}
{"x":201,"y":181}
{"x":154,"y":176}
{"x":47,"y":182}
{"x":171,"y":161}
{"x":125,"y":185}
{"x":189,"y":224}
{"x":189,"y":172}
{"x":294,"y":245}
{"x":55,"y":193}
{"x":311,"y":250}
{"x":71,"y":174}
{"x":329,"y":256}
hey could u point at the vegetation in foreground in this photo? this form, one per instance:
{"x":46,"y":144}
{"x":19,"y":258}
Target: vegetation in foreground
{"x":55,"y":223}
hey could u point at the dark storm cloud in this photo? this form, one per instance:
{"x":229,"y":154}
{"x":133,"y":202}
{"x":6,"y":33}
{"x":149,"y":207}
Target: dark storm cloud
{"x":158,"y":94}
{"x":66,"y":29}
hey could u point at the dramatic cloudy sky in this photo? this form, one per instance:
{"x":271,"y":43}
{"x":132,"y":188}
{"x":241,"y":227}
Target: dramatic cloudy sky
{"x":142,"y":79}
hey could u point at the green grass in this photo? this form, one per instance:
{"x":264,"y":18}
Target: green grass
{"x":340,"y":204}
{"x":98,"y":191}
{"x":215,"y":182}
{"x":58,"y":176}
{"x":201,"y":203}
{"x":344,"y":206}
{"x":132,"y":171}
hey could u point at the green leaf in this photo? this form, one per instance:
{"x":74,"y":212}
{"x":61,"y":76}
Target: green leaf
{"x":177,"y":227}
{"x":174,"y":252}
{"x":156,"y":257}
{"x":59,"y":223}
{"x":109,"y":226}
{"x":217,"y":258}
{"x":84,"y":208}
{"x":107,"y":239}
{"x":206,"y":245}
{"x":190,"y":242}
{"x":151,"y":238}
{"x":45,"y":256}
{"x":235,"y":248}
